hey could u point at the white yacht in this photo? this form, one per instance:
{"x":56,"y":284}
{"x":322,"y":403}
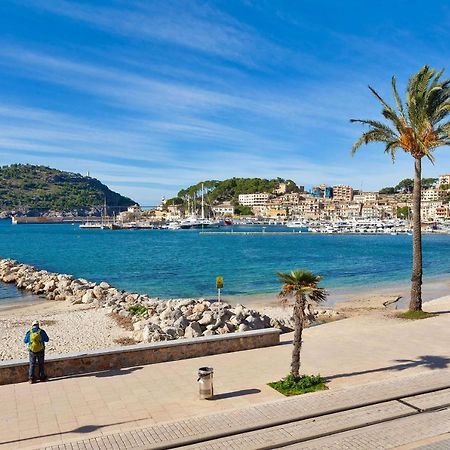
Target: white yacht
{"x":199,"y":222}
{"x":295,"y":224}
{"x":93,"y":225}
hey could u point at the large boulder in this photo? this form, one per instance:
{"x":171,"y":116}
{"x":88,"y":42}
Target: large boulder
{"x":193,"y":330}
{"x":88,"y":297}
{"x":207,"y":318}
{"x":181,"y":323}
{"x":98,"y":292}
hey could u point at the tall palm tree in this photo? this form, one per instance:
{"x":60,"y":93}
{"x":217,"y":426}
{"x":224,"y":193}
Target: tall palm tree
{"x":418,"y":127}
{"x":302,"y":285}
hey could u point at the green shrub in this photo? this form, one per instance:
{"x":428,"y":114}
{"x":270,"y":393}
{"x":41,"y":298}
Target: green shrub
{"x":138,"y":310}
{"x":301,"y":385}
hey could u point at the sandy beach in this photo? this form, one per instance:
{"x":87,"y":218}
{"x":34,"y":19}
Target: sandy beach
{"x":71,"y":328}
{"x":74,"y":328}
{"x":432,"y":288}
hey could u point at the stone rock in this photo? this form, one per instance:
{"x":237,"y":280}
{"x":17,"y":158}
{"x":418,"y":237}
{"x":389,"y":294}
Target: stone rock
{"x":88,"y":297}
{"x":199,"y":308}
{"x":98,"y":292}
{"x":104,"y":285}
{"x":151,"y":333}
{"x":171,"y":331}
{"x":124,"y":313}
{"x":243,"y":327}
{"x":181,"y":323}
{"x":193,"y":330}
{"x":49,"y":286}
{"x":254,"y":322}
{"x":207,"y":318}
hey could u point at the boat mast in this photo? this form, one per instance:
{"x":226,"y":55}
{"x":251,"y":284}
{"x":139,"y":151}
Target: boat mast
{"x":203,"y":205}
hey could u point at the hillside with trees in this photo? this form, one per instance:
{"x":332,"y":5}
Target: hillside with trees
{"x":406,"y":186}
{"x":27,"y":188}
{"x":229,"y":190}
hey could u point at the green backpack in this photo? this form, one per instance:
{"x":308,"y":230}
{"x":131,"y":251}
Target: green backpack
{"x":36,"y":345}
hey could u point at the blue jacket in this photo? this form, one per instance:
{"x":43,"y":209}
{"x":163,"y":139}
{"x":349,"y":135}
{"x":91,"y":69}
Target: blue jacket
{"x":44,"y":336}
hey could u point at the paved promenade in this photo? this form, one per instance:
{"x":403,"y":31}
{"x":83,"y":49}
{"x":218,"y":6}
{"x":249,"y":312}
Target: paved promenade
{"x":350,"y":353}
{"x":377,"y":415}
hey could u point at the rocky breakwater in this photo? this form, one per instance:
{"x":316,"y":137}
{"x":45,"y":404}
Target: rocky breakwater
{"x":148,"y":319}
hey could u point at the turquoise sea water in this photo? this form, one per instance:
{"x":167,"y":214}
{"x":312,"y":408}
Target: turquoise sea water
{"x":184,"y":263}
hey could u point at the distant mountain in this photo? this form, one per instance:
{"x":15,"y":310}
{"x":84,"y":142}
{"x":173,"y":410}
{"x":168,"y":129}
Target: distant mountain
{"x":27,"y":188}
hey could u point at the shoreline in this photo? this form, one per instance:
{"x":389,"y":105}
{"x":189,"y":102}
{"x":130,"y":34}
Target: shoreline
{"x":81,"y":315}
{"x":433,"y":287}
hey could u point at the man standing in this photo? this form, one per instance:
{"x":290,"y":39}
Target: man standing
{"x":35,"y":340}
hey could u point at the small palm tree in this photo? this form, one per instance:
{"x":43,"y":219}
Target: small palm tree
{"x":302,"y":286}
{"x":417,"y":127}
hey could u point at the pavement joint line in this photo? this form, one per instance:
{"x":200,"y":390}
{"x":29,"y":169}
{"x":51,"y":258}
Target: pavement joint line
{"x":165,"y":443}
{"x":341,"y":430}
{"x":294,"y":441}
{"x":409,"y":404}
{"x":177,"y":443}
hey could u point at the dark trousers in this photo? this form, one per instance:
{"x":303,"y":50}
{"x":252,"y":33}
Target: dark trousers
{"x":39,"y":358}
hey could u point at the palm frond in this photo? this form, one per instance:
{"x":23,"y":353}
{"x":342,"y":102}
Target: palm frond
{"x":397,"y":98}
{"x":301,"y":283}
{"x":417,"y":125}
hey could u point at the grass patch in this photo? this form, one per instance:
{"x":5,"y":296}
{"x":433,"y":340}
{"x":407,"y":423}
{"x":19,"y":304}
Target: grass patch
{"x":138,"y":310}
{"x":301,"y":385}
{"x":415,"y":315}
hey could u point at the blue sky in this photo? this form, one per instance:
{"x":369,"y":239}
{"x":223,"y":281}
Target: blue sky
{"x":151,"y":96}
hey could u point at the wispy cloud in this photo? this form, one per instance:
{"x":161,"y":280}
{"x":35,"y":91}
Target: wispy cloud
{"x":195,"y":26}
{"x":153,"y":96}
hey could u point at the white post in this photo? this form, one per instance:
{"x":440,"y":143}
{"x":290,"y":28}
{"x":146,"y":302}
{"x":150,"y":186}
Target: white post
{"x":218,"y":294}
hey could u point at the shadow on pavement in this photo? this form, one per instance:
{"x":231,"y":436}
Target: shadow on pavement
{"x":429,"y":361}
{"x":236,"y":393}
{"x":83,"y":429}
{"x":101,"y":374}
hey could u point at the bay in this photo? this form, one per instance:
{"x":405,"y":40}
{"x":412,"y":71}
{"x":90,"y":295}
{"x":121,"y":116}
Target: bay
{"x":184,"y":263}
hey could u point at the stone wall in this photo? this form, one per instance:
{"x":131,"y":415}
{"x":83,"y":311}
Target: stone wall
{"x":134,"y":355}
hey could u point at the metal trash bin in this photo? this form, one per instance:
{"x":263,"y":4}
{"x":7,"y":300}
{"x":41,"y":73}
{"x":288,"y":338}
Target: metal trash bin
{"x":205,"y":383}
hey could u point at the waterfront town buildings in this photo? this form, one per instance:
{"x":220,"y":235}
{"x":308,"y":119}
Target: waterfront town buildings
{"x":342,"y":202}
{"x":322,"y":202}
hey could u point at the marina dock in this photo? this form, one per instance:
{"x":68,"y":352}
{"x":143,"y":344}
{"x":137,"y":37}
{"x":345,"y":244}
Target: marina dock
{"x":272,"y":233}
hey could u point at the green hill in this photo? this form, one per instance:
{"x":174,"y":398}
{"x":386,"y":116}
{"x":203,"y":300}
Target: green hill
{"x":229,"y":190}
{"x":25,"y":187}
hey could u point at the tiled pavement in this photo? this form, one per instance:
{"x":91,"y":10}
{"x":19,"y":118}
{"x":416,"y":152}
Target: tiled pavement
{"x":264,"y":417}
{"x":350,"y":352}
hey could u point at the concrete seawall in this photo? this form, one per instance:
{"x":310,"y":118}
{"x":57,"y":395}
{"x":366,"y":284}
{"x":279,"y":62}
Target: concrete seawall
{"x":16,"y":371}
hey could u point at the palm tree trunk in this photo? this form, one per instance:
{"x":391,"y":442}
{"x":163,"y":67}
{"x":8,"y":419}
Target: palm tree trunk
{"x":416,"y":277}
{"x":298,"y":324}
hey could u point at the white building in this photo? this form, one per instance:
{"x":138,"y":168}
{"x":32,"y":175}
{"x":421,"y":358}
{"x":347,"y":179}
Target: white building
{"x":366,"y":197}
{"x":431,"y":210}
{"x":444,"y":179}
{"x":224,"y":209}
{"x":431,"y":195}
{"x":258,"y":199}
